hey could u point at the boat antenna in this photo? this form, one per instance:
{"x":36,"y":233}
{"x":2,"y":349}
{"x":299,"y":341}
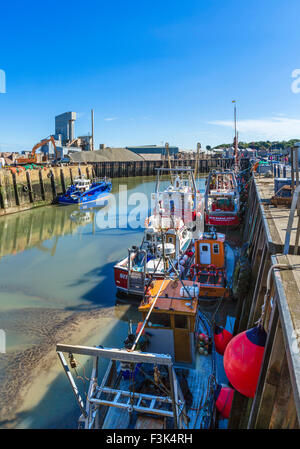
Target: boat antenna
{"x":235,"y":138}
{"x":168,"y":154}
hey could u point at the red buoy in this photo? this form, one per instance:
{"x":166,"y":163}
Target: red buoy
{"x":224,"y":397}
{"x":242,"y":360}
{"x":139,"y":327}
{"x":221,"y":337}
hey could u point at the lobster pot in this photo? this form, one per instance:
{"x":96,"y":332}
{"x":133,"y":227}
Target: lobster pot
{"x":242,"y":360}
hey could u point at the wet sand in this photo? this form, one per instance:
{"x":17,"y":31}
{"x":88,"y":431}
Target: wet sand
{"x":26,"y":374}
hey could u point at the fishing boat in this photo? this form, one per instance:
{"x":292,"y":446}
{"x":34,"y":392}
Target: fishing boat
{"x":165,"y":375}
{"x":214,"y":266}
{"x":177,"y":217}
{"x":222,"y":200}
{"x":86,"y":191}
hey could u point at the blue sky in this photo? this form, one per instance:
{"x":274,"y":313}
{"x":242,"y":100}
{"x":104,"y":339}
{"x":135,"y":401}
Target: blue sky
{"x":154,"y":71}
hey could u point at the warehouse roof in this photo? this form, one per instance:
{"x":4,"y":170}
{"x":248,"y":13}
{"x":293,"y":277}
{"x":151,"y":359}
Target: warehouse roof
{"x":106,"y":155}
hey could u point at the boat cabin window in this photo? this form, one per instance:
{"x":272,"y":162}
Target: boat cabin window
{"x":170,"y":239}
{"x":223,"y":204}
{"x":216,"y":248}
{"x":181,"y":322}
{"x":148,"y":237}
{"x":160,"y":320}
{"x":204,"y":248}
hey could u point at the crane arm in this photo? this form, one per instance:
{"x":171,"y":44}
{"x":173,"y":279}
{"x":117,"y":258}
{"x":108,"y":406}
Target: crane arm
{"x":43,"y":142}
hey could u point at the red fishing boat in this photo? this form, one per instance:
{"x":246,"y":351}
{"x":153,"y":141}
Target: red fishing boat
{"x":222,"y":199}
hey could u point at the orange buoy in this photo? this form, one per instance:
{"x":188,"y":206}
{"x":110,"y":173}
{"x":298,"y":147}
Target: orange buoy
{"x":242,"y":360}
{"x":223,"y":398}
{"x":221,"y":337}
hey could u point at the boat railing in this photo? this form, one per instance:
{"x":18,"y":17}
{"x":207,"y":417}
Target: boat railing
{"x":101,"y":397}
{"x":98,"y":180}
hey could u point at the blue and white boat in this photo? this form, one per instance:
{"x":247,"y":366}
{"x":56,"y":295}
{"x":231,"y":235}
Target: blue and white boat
{"x":86,"y":191}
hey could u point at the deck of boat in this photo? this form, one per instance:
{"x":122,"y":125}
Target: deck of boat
{"x":197,"y":379}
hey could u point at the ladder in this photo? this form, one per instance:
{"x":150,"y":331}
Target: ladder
{"x":139,"y":402}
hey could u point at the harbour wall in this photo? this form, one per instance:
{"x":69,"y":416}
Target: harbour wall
{"x":148,"y":168}
{"x":34,"y":188}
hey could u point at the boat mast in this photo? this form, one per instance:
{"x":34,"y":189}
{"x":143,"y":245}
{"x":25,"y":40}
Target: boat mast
{"x":197,"y":160}
{"x":235,"y":138}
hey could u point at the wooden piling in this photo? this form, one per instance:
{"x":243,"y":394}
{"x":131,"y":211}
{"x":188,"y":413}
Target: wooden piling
{"x":42,"y":184}
{"x":16,"y":189}
{"x":29,"y":185}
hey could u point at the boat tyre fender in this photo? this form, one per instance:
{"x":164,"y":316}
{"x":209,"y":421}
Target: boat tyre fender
{"x":242,"y":278}
{"x":25,"y":189}
{"x":49,"y":175}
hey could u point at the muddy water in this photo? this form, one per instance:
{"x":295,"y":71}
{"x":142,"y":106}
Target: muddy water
{"x":56,"y":285}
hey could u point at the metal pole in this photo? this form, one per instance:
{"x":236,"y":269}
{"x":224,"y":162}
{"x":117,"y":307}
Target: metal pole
{"x":92,"y":117}
{"x":147,"y":317}
{"x":296,"y":163}
{"x":72,"y":382}
{"x":174,"y":404}
{"x":290,"y":220}
{"x":168,"y":154}
{"x":292,"y":169}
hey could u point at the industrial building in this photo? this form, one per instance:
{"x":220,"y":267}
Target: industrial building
{"x":153,"y":149}
{"x":64,"y":126}
{"x":65,"y":139}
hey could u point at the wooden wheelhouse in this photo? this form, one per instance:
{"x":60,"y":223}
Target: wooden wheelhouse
{"x":209,"y":269}
{"x":173,"y":321}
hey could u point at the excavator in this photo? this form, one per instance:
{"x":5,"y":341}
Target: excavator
{"x":32,"y":159}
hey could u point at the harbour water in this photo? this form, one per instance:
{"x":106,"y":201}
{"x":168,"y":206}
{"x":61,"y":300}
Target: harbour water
{"x":56,"y":284}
